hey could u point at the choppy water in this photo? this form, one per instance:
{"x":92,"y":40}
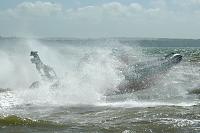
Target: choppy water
{"x":87,"y":69}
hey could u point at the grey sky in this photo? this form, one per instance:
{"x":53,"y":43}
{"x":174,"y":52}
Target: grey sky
{"x":103,"y":18}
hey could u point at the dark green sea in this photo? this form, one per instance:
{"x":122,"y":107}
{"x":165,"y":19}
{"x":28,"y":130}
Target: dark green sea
{"x":87,"y":69}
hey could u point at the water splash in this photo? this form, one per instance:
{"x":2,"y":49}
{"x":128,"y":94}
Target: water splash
{"x":86,"y":73}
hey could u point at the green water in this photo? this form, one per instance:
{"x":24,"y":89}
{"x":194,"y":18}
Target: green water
{"x":159,"y":119}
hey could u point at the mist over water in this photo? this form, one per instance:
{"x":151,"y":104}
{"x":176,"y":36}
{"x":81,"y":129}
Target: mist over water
{"x":87,"y":71}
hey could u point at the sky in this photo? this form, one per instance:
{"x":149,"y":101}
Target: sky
{"x":100,"y":18}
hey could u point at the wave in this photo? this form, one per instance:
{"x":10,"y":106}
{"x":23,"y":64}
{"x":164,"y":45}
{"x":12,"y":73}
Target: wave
{"x":13,"y":120}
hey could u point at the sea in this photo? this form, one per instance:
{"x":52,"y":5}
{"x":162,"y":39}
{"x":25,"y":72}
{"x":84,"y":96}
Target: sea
{"x":87,"y":69}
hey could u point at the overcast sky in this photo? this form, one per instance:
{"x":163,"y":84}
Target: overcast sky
{"x":100,"y":18}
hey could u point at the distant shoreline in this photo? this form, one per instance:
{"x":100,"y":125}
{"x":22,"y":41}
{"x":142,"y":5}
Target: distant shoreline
{"x":96,"y":38}
{"x":144,"y":42}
